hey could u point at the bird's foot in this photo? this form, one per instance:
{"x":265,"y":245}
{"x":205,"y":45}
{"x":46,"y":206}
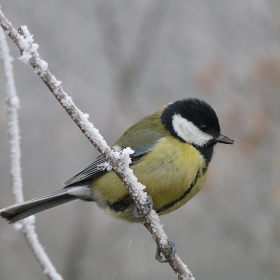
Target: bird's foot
{"x":149,"y":207}
{"x":171,"y":256}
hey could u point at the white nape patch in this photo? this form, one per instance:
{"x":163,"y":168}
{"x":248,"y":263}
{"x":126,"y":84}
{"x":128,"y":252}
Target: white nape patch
{"x":82,"y":192}
{"x":189,"y":132}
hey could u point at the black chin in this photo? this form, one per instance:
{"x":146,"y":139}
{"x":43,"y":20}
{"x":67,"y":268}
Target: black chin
{"x":206,"y":151}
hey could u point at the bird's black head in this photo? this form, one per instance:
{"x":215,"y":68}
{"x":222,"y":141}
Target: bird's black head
{"x":193,"y":121}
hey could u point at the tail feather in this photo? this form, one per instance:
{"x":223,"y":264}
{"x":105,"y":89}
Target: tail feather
{"x":23,"y":210}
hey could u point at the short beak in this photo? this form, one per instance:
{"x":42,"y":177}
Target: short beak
{"x":223,"y":139}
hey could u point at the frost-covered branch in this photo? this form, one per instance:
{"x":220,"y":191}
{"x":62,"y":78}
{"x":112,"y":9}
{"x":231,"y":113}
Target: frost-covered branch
{"x":118,"y":161}
{"x":26,"y":226}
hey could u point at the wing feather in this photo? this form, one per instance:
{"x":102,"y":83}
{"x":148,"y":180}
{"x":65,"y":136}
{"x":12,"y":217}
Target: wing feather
{"x":93,"y":168}
{"x":149,"y":137}
{"x":88,"y":172}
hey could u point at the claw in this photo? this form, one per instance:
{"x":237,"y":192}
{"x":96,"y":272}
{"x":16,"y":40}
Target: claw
{"x":136,"y":213}
{"x":172,"y":253}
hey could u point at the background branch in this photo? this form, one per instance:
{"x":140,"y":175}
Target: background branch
{"x":26,"y":226}
{"x":119,"y":161}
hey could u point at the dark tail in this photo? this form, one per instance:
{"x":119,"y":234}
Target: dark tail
{"x":20,"y":211}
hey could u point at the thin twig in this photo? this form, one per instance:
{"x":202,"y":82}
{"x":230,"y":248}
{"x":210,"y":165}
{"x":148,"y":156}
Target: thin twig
{"x":118,"y":161}
{"x":26,"y":226}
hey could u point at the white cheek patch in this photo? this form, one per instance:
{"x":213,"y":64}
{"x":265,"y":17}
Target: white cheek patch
{"x":189,"y":132}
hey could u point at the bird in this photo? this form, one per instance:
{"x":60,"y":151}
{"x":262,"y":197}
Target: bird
{"x":172,"y":150}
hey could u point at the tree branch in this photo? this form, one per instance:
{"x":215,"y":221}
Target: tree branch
{"x":118,"y":161}
{"x":26,"y":226}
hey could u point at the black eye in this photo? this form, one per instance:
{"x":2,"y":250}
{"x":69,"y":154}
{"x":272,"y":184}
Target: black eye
{"x":203,"y":127}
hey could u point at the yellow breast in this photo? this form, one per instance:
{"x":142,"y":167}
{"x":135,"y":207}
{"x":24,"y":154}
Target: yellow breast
{"x":172,"y":173}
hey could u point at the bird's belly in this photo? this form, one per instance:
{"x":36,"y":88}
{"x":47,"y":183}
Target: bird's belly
{"x":172,"y":176}
{"x":172,"y":186}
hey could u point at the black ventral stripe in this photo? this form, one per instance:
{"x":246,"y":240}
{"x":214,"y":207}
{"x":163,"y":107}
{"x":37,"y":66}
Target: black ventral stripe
{"x":121,"y":205}
{"x":171,"y":204}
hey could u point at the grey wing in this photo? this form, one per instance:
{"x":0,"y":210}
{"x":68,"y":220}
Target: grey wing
{"x":90,"y":171}
{"x":94,"y":169}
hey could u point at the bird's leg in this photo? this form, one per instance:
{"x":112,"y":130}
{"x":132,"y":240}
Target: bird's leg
{"x":158,"y":252}
{"x":136,"y":213}
{"x":171,"y":243}
{"x":172,"y":253}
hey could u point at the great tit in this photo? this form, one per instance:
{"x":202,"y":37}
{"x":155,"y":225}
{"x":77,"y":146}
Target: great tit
{"x":172,"y":151}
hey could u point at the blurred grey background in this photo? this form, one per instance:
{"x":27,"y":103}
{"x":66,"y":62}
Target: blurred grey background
{"x":121,"y":60}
